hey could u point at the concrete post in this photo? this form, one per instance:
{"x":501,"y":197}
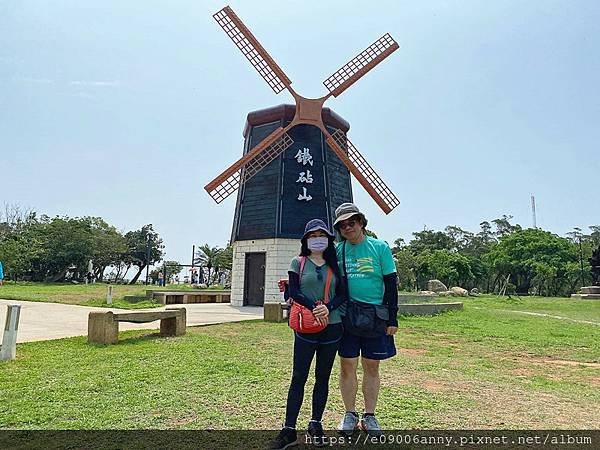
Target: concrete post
{"x":109,"y":295}
{"x":176,"y":325}
{"x":9,"y":341}
{"x":102,"y":328}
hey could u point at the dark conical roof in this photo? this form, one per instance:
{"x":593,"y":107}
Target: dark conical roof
{"x":287,"y":112}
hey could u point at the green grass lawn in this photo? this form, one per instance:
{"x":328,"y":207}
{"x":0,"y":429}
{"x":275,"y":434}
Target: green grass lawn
{"x":484,"y":367}
{"x":82,"y":294}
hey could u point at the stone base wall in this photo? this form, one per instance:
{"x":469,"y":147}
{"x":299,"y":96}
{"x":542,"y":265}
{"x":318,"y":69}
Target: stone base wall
{"x":279,"y":253}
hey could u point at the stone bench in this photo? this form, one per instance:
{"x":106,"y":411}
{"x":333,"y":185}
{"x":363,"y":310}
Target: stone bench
{"x":103,"y":327}
{"x":183,"y":297}
{"x":275,"y":311}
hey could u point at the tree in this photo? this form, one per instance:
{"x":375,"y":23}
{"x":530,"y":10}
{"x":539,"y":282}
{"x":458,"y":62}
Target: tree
{"x":453,"y":269}
{"x":108,"y":243}
{"x":406,"y":268}
{"x":585,"y":244}
{"x":225,"y":258}
{"x":138,"y":243}
{"x":212,"y":260}
{"x":535,"y":259}
{"x":14,"y":219}
{"x":504,"y":227}
{"x":17,"y":253}
{"x":370,"y":233}
{"x":459,"y":238}
{"x":430,"y":240}
{"x":172,"y":268}
{"x":208,"y":257}
{"x":399,"y":244}
{"x":595,"y":235}
{"x":65,"y":243}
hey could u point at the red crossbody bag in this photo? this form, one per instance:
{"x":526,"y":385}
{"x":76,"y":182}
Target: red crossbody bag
{"x":301,"y":318}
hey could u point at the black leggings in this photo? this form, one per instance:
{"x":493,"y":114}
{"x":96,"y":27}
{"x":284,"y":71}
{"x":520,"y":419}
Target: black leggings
{"x":325,"y":344}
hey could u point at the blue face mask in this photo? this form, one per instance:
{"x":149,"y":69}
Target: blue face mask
{"x":317,"y":244}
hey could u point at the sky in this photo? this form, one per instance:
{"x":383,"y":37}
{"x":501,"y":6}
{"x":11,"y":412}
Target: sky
{"x":126,"y":109}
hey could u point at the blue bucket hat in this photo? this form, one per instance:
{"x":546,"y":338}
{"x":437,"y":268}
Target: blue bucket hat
{"x":314,"y":225}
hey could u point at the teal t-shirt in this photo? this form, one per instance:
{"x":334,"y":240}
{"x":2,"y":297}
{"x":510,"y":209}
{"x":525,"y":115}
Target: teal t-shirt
{"x":366,"y":264}
{"x":313,"y":288}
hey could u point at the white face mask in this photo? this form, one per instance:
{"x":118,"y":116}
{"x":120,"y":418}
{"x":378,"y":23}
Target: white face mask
{"x":317,"y":244}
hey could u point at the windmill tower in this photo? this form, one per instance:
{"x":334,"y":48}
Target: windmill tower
{"x":296,"y":166}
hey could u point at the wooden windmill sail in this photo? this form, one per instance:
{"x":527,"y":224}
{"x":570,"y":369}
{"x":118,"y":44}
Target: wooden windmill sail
{"x":308,"y":111}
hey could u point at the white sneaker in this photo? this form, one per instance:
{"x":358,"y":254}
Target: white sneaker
{"x":370,"y":426}
{"x":348,"y":424}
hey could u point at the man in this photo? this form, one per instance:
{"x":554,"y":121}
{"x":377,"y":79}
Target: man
{"x":371,"y":274}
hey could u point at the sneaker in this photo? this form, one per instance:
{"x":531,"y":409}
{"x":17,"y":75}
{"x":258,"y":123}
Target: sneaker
{"x":348,"y":423}
{"x":286,"y":438}
{"x":370,"y":426}
{"x":315,"y":433}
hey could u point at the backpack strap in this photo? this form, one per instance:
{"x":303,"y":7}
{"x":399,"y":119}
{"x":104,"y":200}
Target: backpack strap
{"x":328,"y":284}
{"x":302,"y":262}
{"x":344,"y":257}
{"x":327,"y":281}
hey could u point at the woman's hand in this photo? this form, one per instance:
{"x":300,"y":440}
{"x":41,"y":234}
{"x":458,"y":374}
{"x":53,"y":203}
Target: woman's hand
{"x":390,"y":331}
{"x":321,"y":314}
{"x":322,"y":320}
{"x":320,"y":311}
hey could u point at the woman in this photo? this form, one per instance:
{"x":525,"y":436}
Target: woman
{"x":306,"y":287}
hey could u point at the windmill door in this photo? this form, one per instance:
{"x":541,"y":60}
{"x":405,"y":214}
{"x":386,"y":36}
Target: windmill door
{"x":254,"y":279}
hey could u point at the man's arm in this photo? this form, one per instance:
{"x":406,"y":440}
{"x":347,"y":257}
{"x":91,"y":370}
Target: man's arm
{"x":390,"y":296}
{"x":340,"y":296}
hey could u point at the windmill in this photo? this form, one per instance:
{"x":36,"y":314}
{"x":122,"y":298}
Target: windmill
{"x":263,"y":158}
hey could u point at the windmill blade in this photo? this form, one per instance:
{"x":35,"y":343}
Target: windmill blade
{"x":252,"y":50}
{"x":360,"y":65}
{"x":249,"y":165}
{"x":362,"y":171}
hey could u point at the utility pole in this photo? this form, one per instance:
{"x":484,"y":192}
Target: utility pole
{"x":533,"y":211}
{"x":147,"y":258}
{"x":581,"y":261}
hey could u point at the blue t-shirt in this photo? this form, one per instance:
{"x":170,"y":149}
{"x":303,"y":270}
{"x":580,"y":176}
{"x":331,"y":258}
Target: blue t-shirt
{"x":1,"y":271}
{"x":366,"y":264}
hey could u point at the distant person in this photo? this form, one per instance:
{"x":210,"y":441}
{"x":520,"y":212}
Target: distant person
{"x":370,"y":318}
{"x":1,"y":274}
{"x":308,"y":275}
{"x":160,"y":279}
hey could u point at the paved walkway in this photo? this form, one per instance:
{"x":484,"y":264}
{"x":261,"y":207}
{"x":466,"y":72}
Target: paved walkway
{"x":43,"y":321}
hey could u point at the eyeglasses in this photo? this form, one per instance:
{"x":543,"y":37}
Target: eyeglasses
{"x":319,"y":274}
{"x":346,"y":224}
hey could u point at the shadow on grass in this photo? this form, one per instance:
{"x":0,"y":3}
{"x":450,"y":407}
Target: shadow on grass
{"x":134,"y":340}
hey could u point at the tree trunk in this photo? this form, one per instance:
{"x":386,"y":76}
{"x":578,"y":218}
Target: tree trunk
{"x":137,"y":275}
{"x":99,"y":273}
{"x":57,"y":277}
{"x":124,"y":273}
